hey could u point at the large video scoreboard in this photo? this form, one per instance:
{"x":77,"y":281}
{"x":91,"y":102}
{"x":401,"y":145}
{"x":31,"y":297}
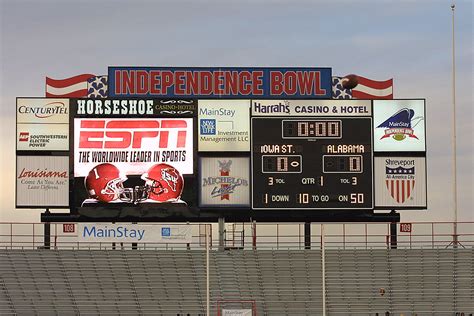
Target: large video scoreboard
{"x":198,"y":144}
{"x":311,"y":161}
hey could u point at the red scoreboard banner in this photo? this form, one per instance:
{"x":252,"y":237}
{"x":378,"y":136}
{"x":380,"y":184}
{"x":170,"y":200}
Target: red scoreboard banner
{"x":220,"y":82}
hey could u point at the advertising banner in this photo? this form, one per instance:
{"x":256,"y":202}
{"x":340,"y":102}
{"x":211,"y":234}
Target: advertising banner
{"x":133,"y":108}
{"x":42,"y":181}
{"x":399,"y":125}
{"x":224,"y":125}
{"x":400,"y":182}
{"x":237,"y":312}
{"x":131,"y":160}
{"x":132,"y":233}
{"x":42,"y":110}
{"x":225,"y":181}
{"x":311,"y":108}
{"x":220,"y":82}
{"x":133,"y":145}
{"x":48,"y":137}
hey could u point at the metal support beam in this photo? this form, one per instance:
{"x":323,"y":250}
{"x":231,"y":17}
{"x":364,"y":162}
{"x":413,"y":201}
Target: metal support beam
{"x":47,"y":232}
{"x":221,"y":233}
{"x":307,"y":235}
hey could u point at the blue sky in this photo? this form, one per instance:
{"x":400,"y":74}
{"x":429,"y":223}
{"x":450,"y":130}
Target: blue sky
{"x":409,"y":41}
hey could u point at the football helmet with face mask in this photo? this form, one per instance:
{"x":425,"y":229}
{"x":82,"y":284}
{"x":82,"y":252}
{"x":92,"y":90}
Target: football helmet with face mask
{"x":164,"y":183}
{"x":105,"y":183}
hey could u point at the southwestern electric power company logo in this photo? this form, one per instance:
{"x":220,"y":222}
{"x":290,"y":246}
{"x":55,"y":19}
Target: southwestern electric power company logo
{"x":400,"y":178}
{"x":401,"y":124}
{"x":224,"y":184}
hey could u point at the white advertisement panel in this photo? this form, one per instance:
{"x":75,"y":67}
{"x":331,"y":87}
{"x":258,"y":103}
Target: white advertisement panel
{"x":311,"y":107}
{"x":224,"y":125}
{"x":42,"y":137}
{"x":400,"y":182}
{"x":128,"y":233}
{"x":133,"y":145}
{"x":225,"y":181}
{"x":42,"y":181}
{"x":42,"y":110}
{"x":236,"y":312}
{"x":399,"y":125}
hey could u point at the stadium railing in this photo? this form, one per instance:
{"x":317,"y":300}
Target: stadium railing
{"x":17,"y":235}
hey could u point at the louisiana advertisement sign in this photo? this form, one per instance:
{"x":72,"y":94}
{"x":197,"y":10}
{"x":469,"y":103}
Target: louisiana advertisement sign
{"x":133,"y":145}
{"x":399,"y":125}
{"x":42,"y":181}
{"x":400,"y":182}
{"x":225,"y":181}
{"x":132,"y":233}
{"x":224,"y":125}
{"x":220,"y":82}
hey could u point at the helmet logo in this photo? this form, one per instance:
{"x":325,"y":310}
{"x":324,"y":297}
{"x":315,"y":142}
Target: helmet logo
{"x":171,"y":177}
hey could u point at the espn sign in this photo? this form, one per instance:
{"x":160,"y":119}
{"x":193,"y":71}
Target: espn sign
{"x":125,"y":133}
{"x":133,"y":145}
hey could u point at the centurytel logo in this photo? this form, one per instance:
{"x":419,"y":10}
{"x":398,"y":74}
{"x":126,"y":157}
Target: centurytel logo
{"x":401,"y":124}
{"x":46,"y":110}
{"x":224,"y":184}
{"x":400,"y":178}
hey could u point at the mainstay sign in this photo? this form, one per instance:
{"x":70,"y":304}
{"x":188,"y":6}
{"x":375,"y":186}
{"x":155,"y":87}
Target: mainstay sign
{"x":220,"y":82}
{"x":131,"y":233}
{"x":224,"y":125}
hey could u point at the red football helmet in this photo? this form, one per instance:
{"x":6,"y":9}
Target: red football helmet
{"x":164,"y":183}
{"x":105,"y":183}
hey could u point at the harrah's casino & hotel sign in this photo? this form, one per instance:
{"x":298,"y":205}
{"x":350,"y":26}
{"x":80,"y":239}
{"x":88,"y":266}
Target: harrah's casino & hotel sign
{"x":220,"y":82}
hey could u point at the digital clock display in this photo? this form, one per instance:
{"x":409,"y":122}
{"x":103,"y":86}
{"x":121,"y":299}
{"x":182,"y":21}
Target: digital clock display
{"x":312,"y":164}
{"x":312,"y":129}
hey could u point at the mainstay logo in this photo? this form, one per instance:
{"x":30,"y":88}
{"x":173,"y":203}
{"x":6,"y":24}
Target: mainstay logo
{"x":401,"y":124}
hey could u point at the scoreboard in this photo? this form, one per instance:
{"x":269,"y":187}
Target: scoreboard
{"x":312,"y":162}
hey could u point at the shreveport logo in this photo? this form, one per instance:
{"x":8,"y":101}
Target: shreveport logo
{"x":401,"y":124}
{"x":400,"y":178}
{"x":44,"y":111}
{"x":224,"y":185}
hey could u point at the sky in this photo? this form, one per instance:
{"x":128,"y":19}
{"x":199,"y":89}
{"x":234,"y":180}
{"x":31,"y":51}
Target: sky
{"x":409,"y":41}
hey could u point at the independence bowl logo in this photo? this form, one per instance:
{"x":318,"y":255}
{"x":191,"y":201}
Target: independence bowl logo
{"x":400,"y":179}
{"x":401,"y":124}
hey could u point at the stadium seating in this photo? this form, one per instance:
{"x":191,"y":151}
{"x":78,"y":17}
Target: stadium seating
{"x":282,"y":282}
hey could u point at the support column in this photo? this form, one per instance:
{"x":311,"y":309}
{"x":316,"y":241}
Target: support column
{"x":393,"y":234}
{"x":47,"y":232}
{"x":221,"y":233}
{"x":307,"y":235}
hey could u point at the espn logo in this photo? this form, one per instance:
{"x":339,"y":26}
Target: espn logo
{"x":127,"y":133}
{"x":24,"y":136}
